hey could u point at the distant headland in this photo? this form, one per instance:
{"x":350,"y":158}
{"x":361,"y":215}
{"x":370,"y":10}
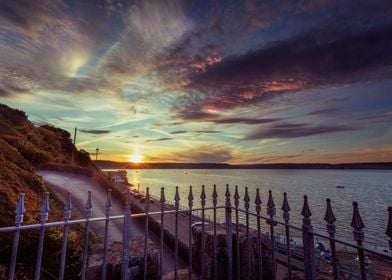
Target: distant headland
{"x":105,"y":164}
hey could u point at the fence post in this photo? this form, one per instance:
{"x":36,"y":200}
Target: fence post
{"x":203,"y":237}
{"x":190,"y":205}
{"x":87,"y":215}
{"x":126,"y":230}
{"x":331,"y":229}
{"x":229,"y":235}
{"x":67,"y":217}
{"x":388,"y":232}
{"x":359,"y":236}
{"x":286,"y":216}
{"x":146,"y":210}
{"x":162,"y":201}
{"x":246,"y":206}
{"x":308,"y":242}
{"x":237,"y":232}
{"x":176,"y":205}
{"x":108,"y":210}
{"x":43,"y":219}
{"x":214,"y":203}
{"x":259,"y":241}
{"x":271,"y":211}
{"x":20,"y":209}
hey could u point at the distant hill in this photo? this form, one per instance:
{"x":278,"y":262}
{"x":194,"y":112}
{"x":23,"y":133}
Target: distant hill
{"x":23,"y":148}
{"x":104,"y":164}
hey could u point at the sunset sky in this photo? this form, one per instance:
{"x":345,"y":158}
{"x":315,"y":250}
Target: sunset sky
{"x":205,"y":81}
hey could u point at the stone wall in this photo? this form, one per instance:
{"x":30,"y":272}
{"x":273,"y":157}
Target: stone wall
{"x":222,"y":253}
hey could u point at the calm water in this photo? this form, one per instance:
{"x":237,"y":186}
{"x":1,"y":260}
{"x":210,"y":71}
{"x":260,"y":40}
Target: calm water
{"x":371,"y":189}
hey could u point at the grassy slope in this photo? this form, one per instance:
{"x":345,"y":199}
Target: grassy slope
{"x":24,"y":146}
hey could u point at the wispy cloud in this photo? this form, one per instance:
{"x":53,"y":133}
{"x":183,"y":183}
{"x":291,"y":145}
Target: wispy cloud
{"x":95,"y":131}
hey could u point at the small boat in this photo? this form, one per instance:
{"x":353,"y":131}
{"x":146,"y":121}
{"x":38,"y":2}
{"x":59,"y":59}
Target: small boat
{"x":340,"y":187}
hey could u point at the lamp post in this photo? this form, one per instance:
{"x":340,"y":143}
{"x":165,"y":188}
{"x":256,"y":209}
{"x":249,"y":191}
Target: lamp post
{"x":96,"y":153}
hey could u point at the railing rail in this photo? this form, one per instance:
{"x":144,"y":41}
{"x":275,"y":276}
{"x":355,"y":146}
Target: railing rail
{"x":282,"y":253}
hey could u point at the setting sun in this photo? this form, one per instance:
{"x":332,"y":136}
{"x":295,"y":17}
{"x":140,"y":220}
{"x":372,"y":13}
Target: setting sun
{"x":135,"y":158}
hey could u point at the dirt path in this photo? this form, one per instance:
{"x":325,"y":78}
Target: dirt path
{"x":79,"y":185}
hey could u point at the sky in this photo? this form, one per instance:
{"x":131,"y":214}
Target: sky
{"x":205,"y":81}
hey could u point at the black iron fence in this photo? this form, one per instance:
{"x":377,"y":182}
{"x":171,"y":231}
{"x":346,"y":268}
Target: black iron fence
{"x":302,"y":257}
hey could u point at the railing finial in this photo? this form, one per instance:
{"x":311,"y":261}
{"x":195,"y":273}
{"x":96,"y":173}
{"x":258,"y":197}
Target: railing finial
{"x":20,"y":209}
{"x":271,"y":210}
{"x":88,"y":206}
{"x":108,"y":203}
{"x":236,"y":197}
{"x":147,"y":200}
{"x":214,"y":196}
{"x":305,"y":209}
{"x":162,"y":199}
{"x":329,"y":216}
{"x":203,"y":196}
{"x":227,"y":195}
{"x":68,"y":207}
{"x":246,"y":199}
{"x":45,"y":208}
{"x":190,"y":197}
{"x":177,"y":199}
{"x":356,"y":221}
{"x":285,"y":205}
{"x":258,"y":201}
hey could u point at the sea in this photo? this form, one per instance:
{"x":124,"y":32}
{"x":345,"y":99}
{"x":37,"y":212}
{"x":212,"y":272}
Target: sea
{"x":372,"y":189}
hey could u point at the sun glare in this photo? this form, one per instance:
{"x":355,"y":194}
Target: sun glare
{"x":135,"y":158}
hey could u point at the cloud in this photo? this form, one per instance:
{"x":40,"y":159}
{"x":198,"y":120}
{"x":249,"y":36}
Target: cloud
{"x":204,"y":153}
{"x":159,"y":139}
{"x":327,"y":111}
{"x":318,"y":58}
{"x":95,"y":131}
{"x":195,"y":131}
{"x":286,"y":130}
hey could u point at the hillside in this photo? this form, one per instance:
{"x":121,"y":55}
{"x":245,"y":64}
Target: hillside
{"x":23,"y":148}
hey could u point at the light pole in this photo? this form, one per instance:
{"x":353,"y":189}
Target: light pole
{"x":96,"y":153}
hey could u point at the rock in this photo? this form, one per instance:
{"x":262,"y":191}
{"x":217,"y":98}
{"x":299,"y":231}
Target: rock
{"x":222,"y":252}
{"x":136,"y":260}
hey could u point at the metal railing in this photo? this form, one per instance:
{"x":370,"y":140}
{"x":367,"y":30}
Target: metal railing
{"x":282,"y":253}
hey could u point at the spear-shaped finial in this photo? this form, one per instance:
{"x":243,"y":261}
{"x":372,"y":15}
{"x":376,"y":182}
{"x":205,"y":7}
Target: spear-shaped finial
{"x":388,"y":232}
{"x":147,"y":201}
{"x":45,"y":209}
{"x":357,"y":224}
{"x":236,"y":197}
{"x":214,"y":196}
{"x":329,"y":216}
{"x":88,"y":206}
{"x":356,"y":221}
{"x":68,"y":207}
{"x":177,"y":199}
{"x":271,"y":210}
{"x":108,"y":203}
{"x":246,"y":199}
{"x":190,"y":197}
{"x":128,"y":201}
{"x":258,"y":201}
{"x":286,"y":208}
{"x":20,"y":209}
{"x":227,"y":195}
{"x":203,"y":196}
{"x":285,"y":205}
{"x":305,"y":209}
{"x":162,"y":199}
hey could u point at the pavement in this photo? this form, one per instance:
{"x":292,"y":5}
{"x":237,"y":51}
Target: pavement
{"x":61,"y":183}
